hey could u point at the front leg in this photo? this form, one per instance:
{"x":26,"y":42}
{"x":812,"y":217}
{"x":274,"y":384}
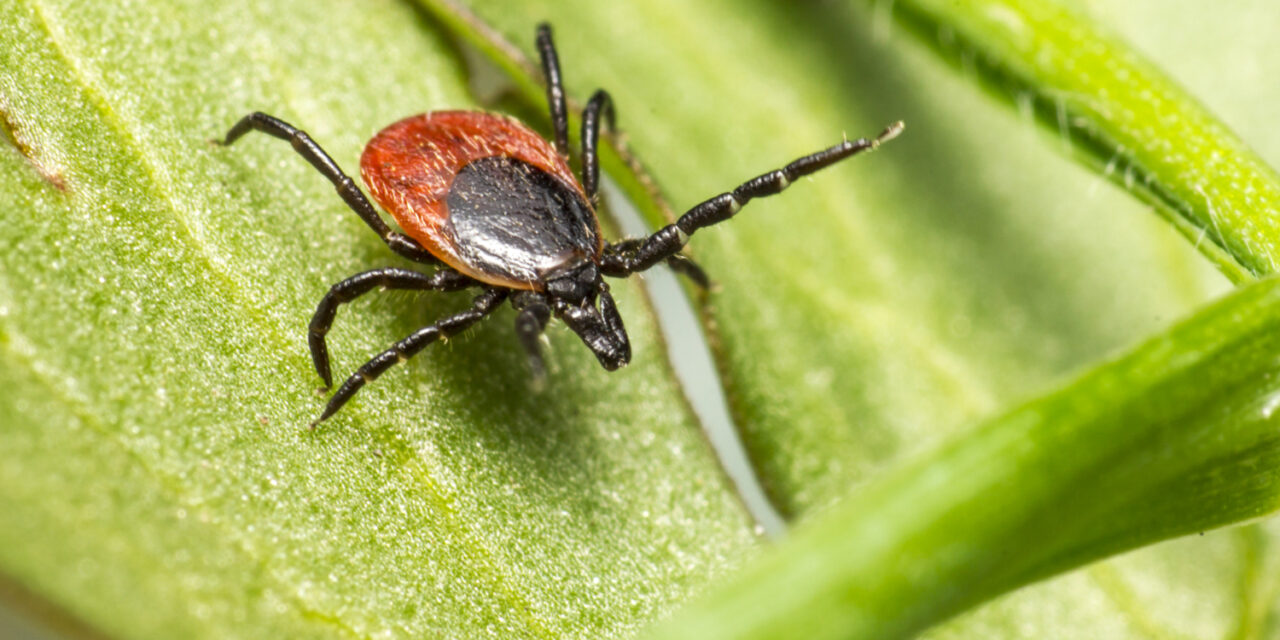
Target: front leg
{"x":618,"y":257}
{"x":668,"y":240}
{"x":555,"y":88}
{"x":600,"y":103}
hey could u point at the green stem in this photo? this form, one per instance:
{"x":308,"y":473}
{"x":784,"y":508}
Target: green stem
{"x":1121,"y":116}
{"x":1177,"y":436}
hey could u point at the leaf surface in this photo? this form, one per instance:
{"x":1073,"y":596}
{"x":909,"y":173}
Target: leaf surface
{"x":1176,"y":436}
{"x":858,"y":328}
{"x":154,"y":294}
{"x":156,"y":472}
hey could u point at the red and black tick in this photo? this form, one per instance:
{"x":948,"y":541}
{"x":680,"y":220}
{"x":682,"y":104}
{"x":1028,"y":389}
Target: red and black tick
{"x":494,"y":206}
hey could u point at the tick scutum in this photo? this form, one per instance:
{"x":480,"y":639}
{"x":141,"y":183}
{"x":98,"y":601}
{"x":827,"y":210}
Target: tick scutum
{"x":514,"y":221}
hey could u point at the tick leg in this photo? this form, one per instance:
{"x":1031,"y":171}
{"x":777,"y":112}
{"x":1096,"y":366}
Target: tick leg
{"x":600,"y":103}
{"x":685,"y":265}
{"x":351,"y":194}
{"x":483,"y":305}
{"x":530,"y":322}
{"x":668,"y":240}
{"x":617,"y":257}
{"x":362,"y":283}
{"x":555,"y":88}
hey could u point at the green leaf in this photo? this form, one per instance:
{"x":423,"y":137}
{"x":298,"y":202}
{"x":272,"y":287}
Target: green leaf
{"x":156,"y":473}
{"x":882,"y":304}
{"x":1177,"y":436}
{"x":862,"y":318}
{"x":862,"y":326}
{"x":1120,"y":115}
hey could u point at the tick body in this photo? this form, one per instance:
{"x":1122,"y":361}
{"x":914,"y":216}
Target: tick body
{"x":496,"y":208}
{"x":485,"y":194}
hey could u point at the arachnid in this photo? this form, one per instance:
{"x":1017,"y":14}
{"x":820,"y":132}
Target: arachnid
{"x":494,"y":206}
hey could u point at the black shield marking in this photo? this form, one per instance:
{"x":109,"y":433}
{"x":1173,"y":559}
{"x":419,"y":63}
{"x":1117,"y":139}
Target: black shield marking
{"x":513,"y":220}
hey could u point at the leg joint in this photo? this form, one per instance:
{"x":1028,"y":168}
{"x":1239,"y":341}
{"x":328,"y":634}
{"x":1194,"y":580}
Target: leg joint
{"x":709,"y":212}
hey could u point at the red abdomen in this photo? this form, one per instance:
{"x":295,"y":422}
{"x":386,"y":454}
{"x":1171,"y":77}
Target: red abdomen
{"x":410,"y":168}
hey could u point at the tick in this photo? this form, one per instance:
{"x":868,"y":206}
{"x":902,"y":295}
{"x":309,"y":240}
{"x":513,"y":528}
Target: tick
{"x":495,"y":207}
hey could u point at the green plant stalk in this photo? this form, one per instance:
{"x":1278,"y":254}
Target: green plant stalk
{"x":1120,"y":116}
{"x":1177,"y":436}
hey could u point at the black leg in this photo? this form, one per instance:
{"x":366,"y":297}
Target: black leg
{"x":483,"y":305}
{"x":618,"y":256}
{"x":351,"y":194}
{"x":530,"y":322}
{"x":600,"y":103}
{"x":362,"y":283}
{"x":555,"y":88}
{"x":685,"y":265}
{"x":671,"y":238}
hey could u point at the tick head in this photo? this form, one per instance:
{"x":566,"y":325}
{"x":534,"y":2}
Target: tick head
{"x":577,"y":285}
{"x":582,"y":300}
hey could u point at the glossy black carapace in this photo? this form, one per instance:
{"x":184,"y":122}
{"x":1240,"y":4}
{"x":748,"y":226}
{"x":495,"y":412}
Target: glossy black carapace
{"x":496,"y":207}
